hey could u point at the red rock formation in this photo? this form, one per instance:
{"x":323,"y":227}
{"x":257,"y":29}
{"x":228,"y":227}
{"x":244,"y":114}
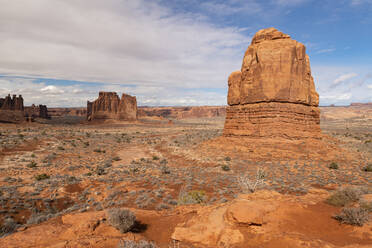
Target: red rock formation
{"x":274,"y":94}
{"x":110,"y":106}
{"x":11,"y":109}
{"x":33,"y":112}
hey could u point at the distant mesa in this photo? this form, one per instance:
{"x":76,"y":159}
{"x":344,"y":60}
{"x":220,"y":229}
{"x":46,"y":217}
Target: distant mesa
{"x":183,"y":112}
{"x":109,"y":106}
{"x":273,"y":95}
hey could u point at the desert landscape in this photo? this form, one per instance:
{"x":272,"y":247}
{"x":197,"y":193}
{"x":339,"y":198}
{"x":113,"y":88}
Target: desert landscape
{"x":270,"y":169}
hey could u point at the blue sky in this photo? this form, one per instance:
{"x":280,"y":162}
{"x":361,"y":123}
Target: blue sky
{"x":173,"y":52}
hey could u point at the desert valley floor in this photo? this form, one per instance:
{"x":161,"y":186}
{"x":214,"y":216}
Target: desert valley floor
{"x":58,"y":178}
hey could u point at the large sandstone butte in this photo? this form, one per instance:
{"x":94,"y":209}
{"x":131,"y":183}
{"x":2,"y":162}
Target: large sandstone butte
{"x":109,"y":106}
{"x":11,"y":109}
{"x":273,"y":95}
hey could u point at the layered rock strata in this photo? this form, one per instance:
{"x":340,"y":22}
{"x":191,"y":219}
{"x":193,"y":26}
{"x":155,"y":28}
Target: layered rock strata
{"x":11,"y":109}
{"x":109,"y":106}
{"x":273,"y":95}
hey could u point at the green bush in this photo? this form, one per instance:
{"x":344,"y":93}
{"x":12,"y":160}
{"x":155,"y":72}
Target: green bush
{"x":42,"y":177}
{"x":225,"y":167}
{"x":192,"y":197}
{"x":368,"y":168}
{"x":32,"y":164}
{"x":333,"y":166}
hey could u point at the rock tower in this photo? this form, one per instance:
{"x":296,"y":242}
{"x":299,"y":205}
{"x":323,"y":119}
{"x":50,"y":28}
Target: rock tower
{"x":273,"y":95}
{"x":11,"y":109}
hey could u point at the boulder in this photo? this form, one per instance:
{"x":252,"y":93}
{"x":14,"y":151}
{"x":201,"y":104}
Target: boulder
{"x":274,"y":93}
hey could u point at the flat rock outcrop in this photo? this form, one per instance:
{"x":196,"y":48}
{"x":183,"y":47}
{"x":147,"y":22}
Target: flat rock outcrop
{"x":109,"y":106}
{"x":273,"y":95}
{"x":11,"y":109}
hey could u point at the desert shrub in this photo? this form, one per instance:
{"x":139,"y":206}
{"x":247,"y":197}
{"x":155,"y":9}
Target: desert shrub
{"x":225,"y":167}
{"x":353,"y":216}
{"x":61,"y":148}
{"x":8,"y":226}
{"x":163,"y":162}
{"x":134,"y":244}
{"x":155,"y":157}
{"x":249,"y":185}
{"x":42,"y":177}
{"x":227,"y":159}
{"x":32,"y":164}
{"x":121,"y":219}
{"x":191,"y":197}
{"x":165,"y":170}
{"x":38,"y":218}
{"x":333,"y":166}
{"x":368,"y":168}
{"x":344,"y":196}
{"x":116,"y":158}
{"x":367,"y":205}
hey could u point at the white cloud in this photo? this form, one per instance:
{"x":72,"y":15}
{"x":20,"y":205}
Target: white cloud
{"x":51,"y":89}
{"x":344,"y":78}
{"x":129,"y":42}
{"x":328,"y":50}
{"x":339,"y":97}
{"x":369,"y":86}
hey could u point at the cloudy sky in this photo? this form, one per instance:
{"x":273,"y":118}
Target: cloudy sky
{"x":173,"y":52}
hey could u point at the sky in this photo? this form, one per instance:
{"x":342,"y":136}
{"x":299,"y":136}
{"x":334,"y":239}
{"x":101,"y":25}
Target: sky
{"x":173,"y":52}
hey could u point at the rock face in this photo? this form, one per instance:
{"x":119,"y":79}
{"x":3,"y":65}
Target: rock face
{"x":274,"y":93}
{"x":110,"y":106}
{"x":33,"y":111}
{"x":11,"y":109}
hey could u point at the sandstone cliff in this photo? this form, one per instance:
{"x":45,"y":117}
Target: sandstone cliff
{"x":273,"y":94}
{"x":109,"y":106}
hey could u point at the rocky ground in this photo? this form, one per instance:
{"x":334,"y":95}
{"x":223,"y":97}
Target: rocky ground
{"x":59,"y":178}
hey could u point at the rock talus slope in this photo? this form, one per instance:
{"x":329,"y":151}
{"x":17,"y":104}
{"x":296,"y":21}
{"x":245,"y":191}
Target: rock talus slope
{"x":274,"y":93}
